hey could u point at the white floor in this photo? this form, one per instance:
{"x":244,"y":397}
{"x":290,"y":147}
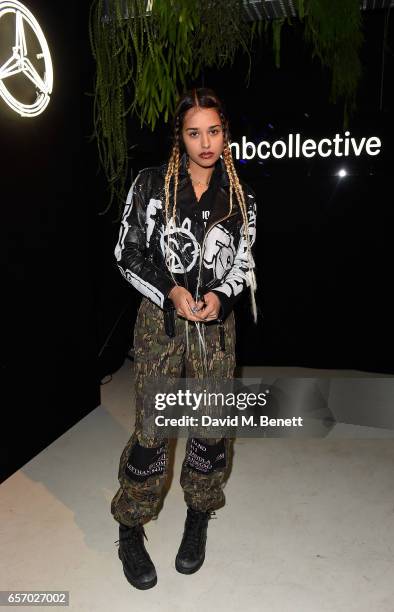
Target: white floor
{"x":308,"y":525}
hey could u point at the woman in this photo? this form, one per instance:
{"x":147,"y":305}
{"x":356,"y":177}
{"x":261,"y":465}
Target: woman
{"x":184,"y":243}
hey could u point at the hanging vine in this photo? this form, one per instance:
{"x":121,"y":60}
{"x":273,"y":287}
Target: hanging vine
{"x":334,"y":30}
{"x":147,"y":51}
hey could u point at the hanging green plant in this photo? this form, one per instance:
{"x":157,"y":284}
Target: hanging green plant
{"x":147,"y":52}
{"x":334,"y":30}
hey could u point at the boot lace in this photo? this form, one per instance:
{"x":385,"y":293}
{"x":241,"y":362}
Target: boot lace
{"x":133,"y":535}
{"x":194,"y":521}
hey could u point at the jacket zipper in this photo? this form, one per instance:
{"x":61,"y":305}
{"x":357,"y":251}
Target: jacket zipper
{"x":220,"y":321}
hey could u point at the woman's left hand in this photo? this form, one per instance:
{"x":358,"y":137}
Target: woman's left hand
{"x":210,"y":310}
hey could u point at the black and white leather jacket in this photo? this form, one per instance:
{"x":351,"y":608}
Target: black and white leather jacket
{"x":219,"y":249}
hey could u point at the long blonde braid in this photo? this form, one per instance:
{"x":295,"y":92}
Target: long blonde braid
{"x":236,"y":186}
{"x":172,"y":173}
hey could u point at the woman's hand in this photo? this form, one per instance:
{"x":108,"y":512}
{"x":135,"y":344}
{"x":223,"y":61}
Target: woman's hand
{"x":212,"y":307}
{"x":184,"y":303}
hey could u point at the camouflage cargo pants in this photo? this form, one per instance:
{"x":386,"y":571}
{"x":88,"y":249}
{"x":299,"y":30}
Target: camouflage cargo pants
{"x":143,"y":467}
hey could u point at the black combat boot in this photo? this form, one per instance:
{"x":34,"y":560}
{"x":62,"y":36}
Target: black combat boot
{"x":191,"y":553}
{"x":137,"y":564}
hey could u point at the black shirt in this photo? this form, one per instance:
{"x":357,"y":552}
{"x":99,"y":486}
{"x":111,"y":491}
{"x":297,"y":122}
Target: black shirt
{"x":205,"y":204}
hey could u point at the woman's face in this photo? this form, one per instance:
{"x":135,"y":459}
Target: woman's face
{"x":203,"y":135}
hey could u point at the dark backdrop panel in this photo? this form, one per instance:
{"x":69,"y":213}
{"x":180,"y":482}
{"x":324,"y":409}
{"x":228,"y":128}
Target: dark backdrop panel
{"x":50,"y":353}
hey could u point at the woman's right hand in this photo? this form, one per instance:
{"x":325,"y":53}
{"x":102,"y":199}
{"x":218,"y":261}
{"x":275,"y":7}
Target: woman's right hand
{"x":184,"y":302}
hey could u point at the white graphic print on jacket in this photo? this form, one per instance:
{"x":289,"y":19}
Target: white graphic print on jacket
{"x":142,"y":285}
{"x":151,"y":211}
{"x":239,"y":272}
{"x":219,"y":251}
{"x":172,"y":242}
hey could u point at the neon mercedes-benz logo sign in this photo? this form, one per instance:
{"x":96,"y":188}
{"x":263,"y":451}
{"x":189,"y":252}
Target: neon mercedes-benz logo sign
{"x":37,"y":68}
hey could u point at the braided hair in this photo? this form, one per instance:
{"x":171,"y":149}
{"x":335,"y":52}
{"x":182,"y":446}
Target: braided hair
{"x":206,"y":98}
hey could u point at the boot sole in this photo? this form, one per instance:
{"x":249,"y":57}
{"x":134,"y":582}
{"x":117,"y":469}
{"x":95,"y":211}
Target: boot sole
{"x":138,"y":585}
{"x":181,"y":570}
